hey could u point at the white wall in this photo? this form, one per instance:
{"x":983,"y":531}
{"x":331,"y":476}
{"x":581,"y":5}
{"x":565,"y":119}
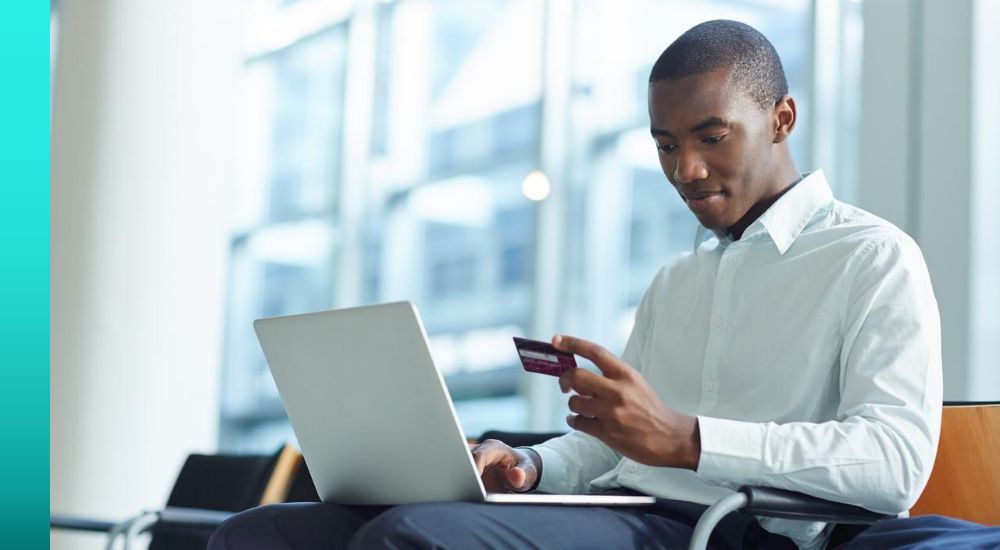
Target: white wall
{"x":928,"y":139}
{"x":140,"y":165}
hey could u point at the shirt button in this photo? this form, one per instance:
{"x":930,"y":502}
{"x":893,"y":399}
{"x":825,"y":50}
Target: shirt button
{"x":632,"y":468}
{"x":717,"y":322}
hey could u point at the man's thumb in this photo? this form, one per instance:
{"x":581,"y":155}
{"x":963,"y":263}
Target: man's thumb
{"x":516,"y":477}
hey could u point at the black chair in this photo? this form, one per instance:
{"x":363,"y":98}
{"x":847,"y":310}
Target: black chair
{"x":208,"y":490}
{"x":519,"y":439}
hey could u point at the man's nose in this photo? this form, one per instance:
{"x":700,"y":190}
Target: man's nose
{"x":690,"y":167}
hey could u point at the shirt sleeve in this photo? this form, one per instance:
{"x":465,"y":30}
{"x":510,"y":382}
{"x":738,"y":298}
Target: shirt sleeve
{"x":879,"y":451}
{"x":571,"y":462}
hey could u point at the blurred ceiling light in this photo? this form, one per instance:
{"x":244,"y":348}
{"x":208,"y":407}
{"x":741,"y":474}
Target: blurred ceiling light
{"x":536,"y":186}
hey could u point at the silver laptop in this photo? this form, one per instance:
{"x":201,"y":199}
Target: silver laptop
{"x":372,"y":414}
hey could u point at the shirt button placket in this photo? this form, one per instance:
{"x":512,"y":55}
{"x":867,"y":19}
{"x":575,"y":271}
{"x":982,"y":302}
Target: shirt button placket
{"x":716,"y":337}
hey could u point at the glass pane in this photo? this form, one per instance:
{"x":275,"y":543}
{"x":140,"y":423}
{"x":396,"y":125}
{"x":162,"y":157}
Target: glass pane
{"x":292,"y":127}
{"x":285,"y":248}
{"x":308,"y":96}
{"x":280,"y":269}
{"x":462,"y":249}
{"x":455,"y":131}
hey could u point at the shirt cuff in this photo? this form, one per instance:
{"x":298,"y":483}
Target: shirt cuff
{"x":553,"y":479}
{"x":732,"y":452}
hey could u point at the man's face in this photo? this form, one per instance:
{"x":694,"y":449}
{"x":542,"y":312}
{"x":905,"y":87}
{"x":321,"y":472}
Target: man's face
{"x":715,"y":146}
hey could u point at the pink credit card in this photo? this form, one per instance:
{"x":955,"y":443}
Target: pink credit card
{"x":543,"y":357}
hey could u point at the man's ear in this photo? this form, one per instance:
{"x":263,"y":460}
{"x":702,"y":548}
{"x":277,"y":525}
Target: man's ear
{"x":783,"y":118}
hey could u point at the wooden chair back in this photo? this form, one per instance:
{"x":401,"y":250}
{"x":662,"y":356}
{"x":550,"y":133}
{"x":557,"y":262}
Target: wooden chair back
{"x":291,"y":481}
{"x":285,"y":469}
{"x":965,"y":481}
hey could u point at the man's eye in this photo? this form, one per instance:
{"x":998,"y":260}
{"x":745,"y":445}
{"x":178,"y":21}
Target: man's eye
{"x":713,"y":139}
{"x":666,"y":147}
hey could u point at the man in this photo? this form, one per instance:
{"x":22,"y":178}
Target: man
{"x":799,"y":348}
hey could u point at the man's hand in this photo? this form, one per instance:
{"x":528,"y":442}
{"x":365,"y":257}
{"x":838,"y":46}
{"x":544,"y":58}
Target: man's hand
{"x":622,"y":410}
{"x":505,"y":469}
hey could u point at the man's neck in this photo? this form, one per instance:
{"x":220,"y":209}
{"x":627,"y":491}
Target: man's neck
{"x":790,"y":177}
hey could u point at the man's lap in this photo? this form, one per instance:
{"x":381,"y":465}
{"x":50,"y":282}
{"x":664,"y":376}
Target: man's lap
{"x":926,"y":533}
{"x":467,"y":525}
{"x":521,"y":526}
{"x":290,"y":526}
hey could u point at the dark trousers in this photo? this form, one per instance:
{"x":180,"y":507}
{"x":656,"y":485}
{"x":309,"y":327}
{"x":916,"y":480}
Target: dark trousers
{"x":927,"y":533}
{"x":666,"y":525}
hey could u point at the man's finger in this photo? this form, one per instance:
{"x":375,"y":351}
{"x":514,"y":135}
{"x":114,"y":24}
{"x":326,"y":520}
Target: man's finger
{"x":515,"y":477}
{"x":492,"y":481}
{"x":490,"y":453}
{"x":590,"y":426}
{"x":482,"y":456}
{"x":586,"y":406}
{"x":477,"y":457}
{"x":584,"y":382}
{"x":610,"y":365}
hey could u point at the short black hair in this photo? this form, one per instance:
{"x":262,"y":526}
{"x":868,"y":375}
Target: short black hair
{"x":718,"y":44}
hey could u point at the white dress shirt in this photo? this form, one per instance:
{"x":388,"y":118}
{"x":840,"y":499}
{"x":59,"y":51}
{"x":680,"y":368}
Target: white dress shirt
{"x":809,"y":349}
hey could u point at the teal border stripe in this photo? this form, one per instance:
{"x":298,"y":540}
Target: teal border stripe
{"x":24,"y":323}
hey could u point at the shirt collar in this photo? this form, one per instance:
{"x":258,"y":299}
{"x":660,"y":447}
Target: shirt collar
{"x":786,"y":218}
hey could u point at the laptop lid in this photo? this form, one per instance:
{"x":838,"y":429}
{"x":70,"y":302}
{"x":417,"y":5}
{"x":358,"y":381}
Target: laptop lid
{"x":372,"y":414}
{"x":370,"y":411}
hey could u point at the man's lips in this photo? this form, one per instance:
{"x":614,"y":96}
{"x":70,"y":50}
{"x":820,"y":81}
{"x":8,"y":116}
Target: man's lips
{"x":701,"y":201}
{"x":695,"y":195}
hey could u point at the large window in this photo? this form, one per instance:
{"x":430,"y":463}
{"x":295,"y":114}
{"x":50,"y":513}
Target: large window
{"x":384,"y":149}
